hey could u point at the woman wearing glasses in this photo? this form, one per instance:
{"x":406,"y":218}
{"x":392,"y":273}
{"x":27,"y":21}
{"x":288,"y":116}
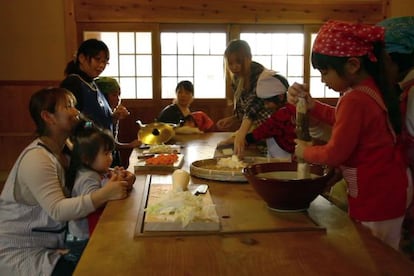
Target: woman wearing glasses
{"x":90,"y":61}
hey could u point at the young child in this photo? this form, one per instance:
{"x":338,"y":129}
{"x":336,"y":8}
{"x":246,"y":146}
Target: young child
{"x":279,"y":128}
{"x":399,"y":43}
{"x":179,"y":112}
{"x":89,"y":170}
{"x":352,"y":60}
{"x":112,"y":92}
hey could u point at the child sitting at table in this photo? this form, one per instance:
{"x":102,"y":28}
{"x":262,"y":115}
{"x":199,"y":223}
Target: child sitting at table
{"x":88,"y":171}
{"x":279,"y":128}
{"x":112,"y":91}
{"x":366,"y":121}
{"x":179,"y":112}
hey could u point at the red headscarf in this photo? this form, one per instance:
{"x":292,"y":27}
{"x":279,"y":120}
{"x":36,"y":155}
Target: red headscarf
{"x":345,"y":39}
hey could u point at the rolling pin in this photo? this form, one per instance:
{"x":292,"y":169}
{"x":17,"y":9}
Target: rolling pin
{"x":302,"y":133}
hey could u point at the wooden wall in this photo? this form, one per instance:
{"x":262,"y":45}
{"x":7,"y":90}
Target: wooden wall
{"x":42,"y":37}
{"x":220,"y":11}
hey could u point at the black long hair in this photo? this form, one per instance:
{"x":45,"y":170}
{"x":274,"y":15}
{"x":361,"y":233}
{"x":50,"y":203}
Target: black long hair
{"x":87,"y":140}
{"x":378,"y":70}
{"x":89,"y":48}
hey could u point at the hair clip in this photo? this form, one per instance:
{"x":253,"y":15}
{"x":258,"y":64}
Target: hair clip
{"x":88,"y":124}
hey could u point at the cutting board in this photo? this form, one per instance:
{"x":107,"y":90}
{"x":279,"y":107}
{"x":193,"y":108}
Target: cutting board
{"x":160,"y":223}
{"x":139,"y":165}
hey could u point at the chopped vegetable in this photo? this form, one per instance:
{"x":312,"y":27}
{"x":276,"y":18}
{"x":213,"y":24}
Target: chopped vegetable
{"x":182,"y":206}
{"x":162,"y":159}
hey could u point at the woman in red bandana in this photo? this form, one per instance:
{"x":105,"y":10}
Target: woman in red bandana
{"x":365,"y":122}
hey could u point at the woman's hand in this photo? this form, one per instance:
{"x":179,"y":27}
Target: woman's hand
{"x":228,"y":141}
{"x":300,"y":90}
{"x":239,"y":143}
{"x":120,"y":112}
{"x":135,"y":143}
{"x":240,"y":138}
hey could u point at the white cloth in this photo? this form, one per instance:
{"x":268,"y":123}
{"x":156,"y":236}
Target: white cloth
{"x":268,"y":86}
{"x":389,"y":231}
{"x":275,"y":151}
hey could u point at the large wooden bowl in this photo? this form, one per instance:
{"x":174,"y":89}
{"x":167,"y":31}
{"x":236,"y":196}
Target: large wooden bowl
{"x":276,"y":183}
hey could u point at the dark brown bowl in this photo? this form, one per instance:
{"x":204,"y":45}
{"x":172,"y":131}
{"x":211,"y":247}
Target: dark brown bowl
{"x":284,"y":193}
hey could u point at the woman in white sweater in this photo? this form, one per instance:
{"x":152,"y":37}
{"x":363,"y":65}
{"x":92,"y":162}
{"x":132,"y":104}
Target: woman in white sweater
{"x":34,"y":204}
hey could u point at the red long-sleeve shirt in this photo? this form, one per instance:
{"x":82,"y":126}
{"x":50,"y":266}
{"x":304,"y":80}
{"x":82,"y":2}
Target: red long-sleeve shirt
{"x":363,"y":145}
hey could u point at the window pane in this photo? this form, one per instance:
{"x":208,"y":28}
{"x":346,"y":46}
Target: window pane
{"x":169,"y":65}
{"x":201,"y":43}
{"x":144,"y":65}
{"x":169,"y":43}
{"x":263,"y":44}
{"x":185,"y":66}
{"x":209,"y":80}
{"x":217,"y":43}
{"x":168,"y":87}
{"x":126,"y":43}
{"x":281,"y":52}
{"x":124,"y":63}
{"x":127,"y":88}
{"x":144,"y":88}
{"x":199,"y":58}
{"x":295,"y":66}
{"x":295,"y":42}
{"x":185,"y":43}
{"x":143,"y":43}
{"x":279,"y":44}
{"x":127,"y":65}
{"x":280,"y":64}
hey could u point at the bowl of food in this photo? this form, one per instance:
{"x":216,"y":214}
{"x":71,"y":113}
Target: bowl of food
{"x":226,"y":169}
{"x":278,"y":184}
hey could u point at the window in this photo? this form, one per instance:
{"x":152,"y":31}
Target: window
{"x":279,"y":51}
{"x":150,"y":62}
{"x":197,"y":57}
{"x":130,"y":61}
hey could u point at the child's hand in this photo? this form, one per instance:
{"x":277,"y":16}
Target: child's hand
{"x":124,"y":175}
{"x":115,"y":188}
{"x":120,"y":112}
{"x":300,"y":147}
{"x":299,"y":90}
{"x":129,"y":178}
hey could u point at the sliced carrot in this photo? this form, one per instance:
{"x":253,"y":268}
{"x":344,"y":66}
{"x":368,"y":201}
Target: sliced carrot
{"x":162,"y":159}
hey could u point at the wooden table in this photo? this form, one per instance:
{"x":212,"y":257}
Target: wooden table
{"x":335,"y":246}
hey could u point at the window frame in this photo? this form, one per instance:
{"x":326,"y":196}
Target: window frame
{"x":232,"y":30}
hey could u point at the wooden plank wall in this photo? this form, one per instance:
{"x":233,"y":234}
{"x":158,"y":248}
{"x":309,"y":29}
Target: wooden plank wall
{"x":230,"y":11}
{"x":16,"y":126}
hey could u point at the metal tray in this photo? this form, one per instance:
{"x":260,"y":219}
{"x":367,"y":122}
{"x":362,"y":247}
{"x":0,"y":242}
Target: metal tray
{"x":202,"y":168}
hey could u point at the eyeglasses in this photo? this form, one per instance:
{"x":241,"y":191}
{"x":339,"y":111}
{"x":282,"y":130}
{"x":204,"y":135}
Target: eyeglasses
{"x":100,"y":59}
